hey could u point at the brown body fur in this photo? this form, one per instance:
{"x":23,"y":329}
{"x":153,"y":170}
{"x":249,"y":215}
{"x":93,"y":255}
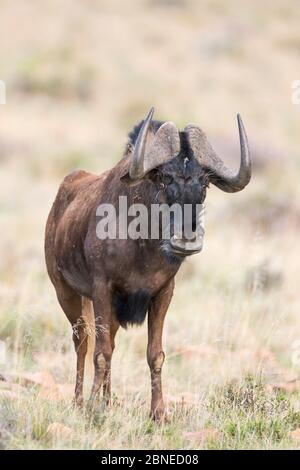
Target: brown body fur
{"x":82,"y":266}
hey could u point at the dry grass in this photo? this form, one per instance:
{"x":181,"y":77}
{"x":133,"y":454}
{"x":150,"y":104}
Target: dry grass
{"x":78,"y":77}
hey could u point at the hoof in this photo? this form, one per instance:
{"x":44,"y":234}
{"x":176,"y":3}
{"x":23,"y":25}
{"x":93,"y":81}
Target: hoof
{"x":160,"y":416}
{"x":78,"y":403}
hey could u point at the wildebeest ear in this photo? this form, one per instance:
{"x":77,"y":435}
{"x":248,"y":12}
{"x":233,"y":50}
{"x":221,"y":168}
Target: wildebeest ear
{"x":128,"y":181}
{"x":154,"y":175}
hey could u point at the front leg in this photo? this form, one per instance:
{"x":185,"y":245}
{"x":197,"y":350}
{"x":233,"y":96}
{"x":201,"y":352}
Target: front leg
{"x":155,"y":355}
{"x":102,"y":302}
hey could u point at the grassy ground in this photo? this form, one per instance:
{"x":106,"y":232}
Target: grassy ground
{"x":78,"y":77}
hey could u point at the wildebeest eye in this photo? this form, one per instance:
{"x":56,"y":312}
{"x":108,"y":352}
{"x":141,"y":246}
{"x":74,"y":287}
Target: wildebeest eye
{"x":167,"y":179}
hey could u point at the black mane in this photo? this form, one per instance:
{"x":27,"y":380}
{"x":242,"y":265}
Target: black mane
{"x":133,"y":135}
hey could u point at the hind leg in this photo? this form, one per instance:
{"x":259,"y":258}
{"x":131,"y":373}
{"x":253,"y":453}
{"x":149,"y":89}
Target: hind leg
{"x":71,"y":304}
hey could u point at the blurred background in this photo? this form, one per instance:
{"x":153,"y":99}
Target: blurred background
{"x":79,"y":75}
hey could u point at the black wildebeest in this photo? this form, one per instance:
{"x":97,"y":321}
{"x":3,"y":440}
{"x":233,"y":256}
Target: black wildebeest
{"x":127,"y":278}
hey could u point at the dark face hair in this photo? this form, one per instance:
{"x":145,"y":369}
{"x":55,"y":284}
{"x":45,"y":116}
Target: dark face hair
{"x":181,"y":180}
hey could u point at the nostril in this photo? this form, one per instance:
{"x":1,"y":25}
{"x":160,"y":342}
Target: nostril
{"x":188,"y":238}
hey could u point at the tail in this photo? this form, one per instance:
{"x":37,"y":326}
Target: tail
{"x":89,"y":319}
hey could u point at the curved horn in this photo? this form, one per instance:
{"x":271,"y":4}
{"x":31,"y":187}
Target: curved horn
{"x":220,"y":174}
{"x":164,"y":145}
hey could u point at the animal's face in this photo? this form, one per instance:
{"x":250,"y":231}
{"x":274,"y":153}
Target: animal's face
{"x":182,"y":182}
